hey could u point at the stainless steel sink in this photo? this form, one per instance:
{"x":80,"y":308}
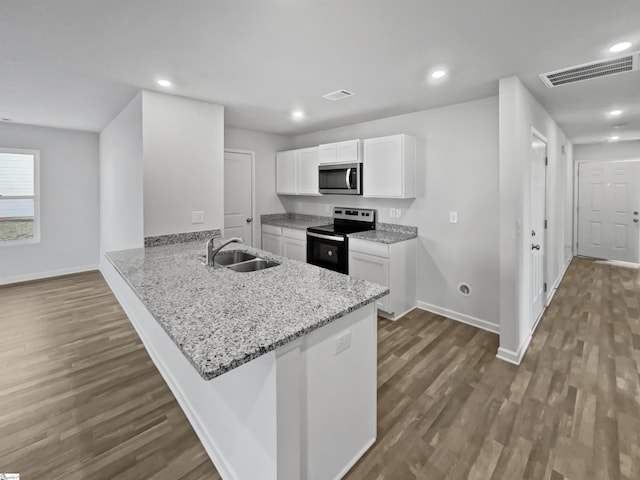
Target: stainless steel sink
{"x":234,"y":256}
{"x":253,"y":265}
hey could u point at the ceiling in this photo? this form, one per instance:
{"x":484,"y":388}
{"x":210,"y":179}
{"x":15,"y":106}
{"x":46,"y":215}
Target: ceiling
{"x":76,"y":63}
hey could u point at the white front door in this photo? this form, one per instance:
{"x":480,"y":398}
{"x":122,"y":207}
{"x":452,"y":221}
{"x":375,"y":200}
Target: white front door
{"x":608,"y":210}
{"x":238,"y":195}
{"x":538,"y":196}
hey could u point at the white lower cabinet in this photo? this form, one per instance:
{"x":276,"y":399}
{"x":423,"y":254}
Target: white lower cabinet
{"x":294,"y":244}
{"x":288,"y":242}
{"x":272,"y":239}
{"x":392,"y":265}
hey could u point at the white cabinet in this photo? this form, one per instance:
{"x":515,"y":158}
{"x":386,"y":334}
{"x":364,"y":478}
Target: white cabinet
{"x":288,"y":242}
{"x":307,"y":163}
{"x":340,"y":152}
{"x":297,"y":172}
{"x":286,"y":173}
{"x":272,"y":239}
{"x":294,"y":244}
{"x":389,"y":167}
{"x":392,"y":265}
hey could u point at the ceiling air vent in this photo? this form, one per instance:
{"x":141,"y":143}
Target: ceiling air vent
{"x":603,"y":68}
{"x":337,"y":95}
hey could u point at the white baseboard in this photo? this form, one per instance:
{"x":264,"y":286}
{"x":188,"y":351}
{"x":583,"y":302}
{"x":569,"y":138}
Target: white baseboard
{"x":355,"y":459}
{"x":514,"y":357}
{"x":556,"y":284}
{"x":48,"y":274}
{"x":460,"y":317}
{"x":394,"y":317}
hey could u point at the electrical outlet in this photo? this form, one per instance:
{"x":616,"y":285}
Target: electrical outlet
{"x":392,"y":213}
{"x":343,"y":342}
{"x":453,"y":217}
{"x":197,"y":217}
{"x":398,"y":212}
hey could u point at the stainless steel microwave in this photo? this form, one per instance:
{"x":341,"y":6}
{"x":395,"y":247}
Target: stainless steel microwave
{"x":340,"y":179}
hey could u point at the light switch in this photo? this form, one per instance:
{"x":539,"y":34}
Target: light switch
{"x":453,"y":217}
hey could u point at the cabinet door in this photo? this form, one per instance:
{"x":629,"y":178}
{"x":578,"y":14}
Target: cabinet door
{"x":308,"y":171}
{"x":295,"y":249}
{"x":340,"y":152}
{"x":286,"y":174}
{"x":383,"y":169}
{"x":272,"y":243}
{"x":348,"y":152}
{"x":371,"y":268}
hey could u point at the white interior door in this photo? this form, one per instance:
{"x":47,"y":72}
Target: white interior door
{"x":538,"y":196}
{"x":238,"y":195}
{"x":608,"y":208}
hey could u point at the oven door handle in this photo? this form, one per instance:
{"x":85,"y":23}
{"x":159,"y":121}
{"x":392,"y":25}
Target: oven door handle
{"x":325,"y":237}
{"x":347,"y":178}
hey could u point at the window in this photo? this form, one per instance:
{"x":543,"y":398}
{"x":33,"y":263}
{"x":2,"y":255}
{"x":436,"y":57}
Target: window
{"x":19,"y":199}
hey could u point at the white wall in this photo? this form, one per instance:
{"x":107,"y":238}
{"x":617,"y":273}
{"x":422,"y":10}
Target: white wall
{"x":607,"y":151}
{"x":519,"y":113}
{"x":265,"y":146}
{"x":121,"y":200}
{"x":183,"y":163}
{"x":457,"y":168}
{"x":69,"y":204}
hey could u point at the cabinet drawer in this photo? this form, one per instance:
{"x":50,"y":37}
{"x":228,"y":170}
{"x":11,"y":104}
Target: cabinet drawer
{"x":294,"y":233}
{"x":272,"y":229}
{"x":368,"y":247}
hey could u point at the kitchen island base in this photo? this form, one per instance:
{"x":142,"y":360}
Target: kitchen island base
{"x":304,"y":410}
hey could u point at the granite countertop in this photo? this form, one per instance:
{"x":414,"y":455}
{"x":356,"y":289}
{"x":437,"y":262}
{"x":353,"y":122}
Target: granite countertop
{"x":296,"y":221}
{"x":221,"y":319}
{"x":382,"y":236}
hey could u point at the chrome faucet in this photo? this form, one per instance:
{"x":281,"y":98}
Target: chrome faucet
{"x":212,"y":252}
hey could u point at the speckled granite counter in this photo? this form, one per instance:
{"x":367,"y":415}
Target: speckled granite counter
{"x":221,"y":319}
{"x":294,"y":220}
{"x":387,"y":233}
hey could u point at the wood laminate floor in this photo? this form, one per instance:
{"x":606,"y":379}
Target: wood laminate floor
{"x":80,"y":398}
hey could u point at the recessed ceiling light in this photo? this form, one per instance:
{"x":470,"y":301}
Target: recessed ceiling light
{"x":615,"y":113}
{"x":163,"y":82}
{"x":614,"y":138}
{"x":438,"y":74}
{"x":620,"y":47}
{"x":297,"y":114}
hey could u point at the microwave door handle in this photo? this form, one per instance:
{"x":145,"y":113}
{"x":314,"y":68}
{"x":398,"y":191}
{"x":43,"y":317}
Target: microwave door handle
{"x":347,"y":178}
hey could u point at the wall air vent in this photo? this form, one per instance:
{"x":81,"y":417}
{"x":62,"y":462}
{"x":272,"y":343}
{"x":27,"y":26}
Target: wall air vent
{"x":604,"y":68}
{"x":337,"y":95}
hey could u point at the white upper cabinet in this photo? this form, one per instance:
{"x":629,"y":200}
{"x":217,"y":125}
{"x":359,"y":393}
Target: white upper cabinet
{"x":389,"y":167}
{"x":307,"y":159}
{"x":286,"y":173}
{"x":297,"y":172}
{"x":340,"y":152}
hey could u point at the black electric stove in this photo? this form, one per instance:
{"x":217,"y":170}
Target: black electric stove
{"x":328,"y":245}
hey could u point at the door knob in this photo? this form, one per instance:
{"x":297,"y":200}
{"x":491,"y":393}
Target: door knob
{"x":535,"y":247}
{"x":249,"y":220}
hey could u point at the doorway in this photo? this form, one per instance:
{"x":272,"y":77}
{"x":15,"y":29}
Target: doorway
{"x":609,"y":210}
{"x":239,"y":194}
{"x":538,"y":225}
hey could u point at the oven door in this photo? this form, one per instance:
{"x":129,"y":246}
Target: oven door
{"x":328,"y":251}
{"x":343,"y":179}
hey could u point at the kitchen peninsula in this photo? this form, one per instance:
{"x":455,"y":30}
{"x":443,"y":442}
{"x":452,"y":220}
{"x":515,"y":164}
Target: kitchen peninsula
{"x":275,"y":369}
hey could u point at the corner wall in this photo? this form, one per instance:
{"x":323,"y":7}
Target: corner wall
{"x":183,"y":158}
{"x":69,"y":204}
{"x":121,"y":200}
{"x":519,"y":113}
